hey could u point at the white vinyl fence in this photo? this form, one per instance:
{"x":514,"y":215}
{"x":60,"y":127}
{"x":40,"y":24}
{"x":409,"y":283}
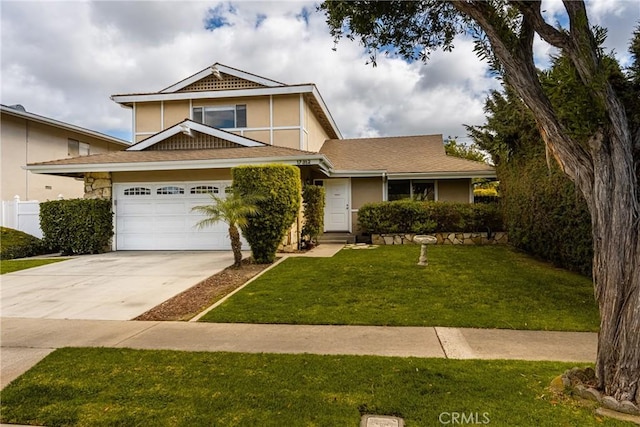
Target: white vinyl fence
{"x":23,"y":216}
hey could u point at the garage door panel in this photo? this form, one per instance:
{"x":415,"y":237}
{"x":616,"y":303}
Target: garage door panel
{"x":170,"y":207}
{"x":131,"y":207}
{"x":152,"y":221}
{"x":135,"y":225}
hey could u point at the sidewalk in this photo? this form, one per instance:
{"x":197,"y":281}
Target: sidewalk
{"x":27,"y":341}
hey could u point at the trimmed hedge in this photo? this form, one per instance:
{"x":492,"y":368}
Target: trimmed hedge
{"x":313,"y":202}
{"x":77,"y":226}
{"x":279,"y":187}
{"x":545,"y":215}
{"x":17,"y":244}
{"x":409,"y":216}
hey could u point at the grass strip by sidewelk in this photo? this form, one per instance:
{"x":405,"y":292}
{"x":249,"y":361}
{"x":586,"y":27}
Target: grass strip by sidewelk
{"x":463,"y":286}
{"x":9,"y":266}
{"x":100,"y":386}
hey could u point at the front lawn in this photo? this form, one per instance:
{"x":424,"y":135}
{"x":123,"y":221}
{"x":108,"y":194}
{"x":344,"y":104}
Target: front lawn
{"x":99,"y":387}
{"x":463,"y":286}
{"x":9,"y":266}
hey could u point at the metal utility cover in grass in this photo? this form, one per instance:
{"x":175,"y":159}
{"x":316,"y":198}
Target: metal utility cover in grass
{"x":381,"y":421}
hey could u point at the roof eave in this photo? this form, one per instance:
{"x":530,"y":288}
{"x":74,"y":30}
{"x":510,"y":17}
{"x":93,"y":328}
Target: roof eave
{"x":164,"y":165}
{"x":442,"y":174}
{"x":62,"y":125}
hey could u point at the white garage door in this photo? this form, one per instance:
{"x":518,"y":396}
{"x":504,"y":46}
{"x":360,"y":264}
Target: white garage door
{"x":158,"y":216}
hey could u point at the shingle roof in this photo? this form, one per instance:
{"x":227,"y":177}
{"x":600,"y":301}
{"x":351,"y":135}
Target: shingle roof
{"x":179,"y":155}
{"x":402,"y":154}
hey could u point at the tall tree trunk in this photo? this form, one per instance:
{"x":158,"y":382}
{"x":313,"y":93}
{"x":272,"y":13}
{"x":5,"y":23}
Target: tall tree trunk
{"x":616,"y":270}
{"x":236,"y":245}
{"x":603,"y":170}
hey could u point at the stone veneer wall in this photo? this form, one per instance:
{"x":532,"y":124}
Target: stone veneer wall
{"x":499,"y":238}
{"x":97,"y":185}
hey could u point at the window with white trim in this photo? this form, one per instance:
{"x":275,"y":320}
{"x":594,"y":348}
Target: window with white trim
{"x":417,"y":189}
{"x":222,"y":117}
{"x":77,"y":148}
{"x":204,"y":189}
{"x":170,"y":190}
{"x":137,"y":191}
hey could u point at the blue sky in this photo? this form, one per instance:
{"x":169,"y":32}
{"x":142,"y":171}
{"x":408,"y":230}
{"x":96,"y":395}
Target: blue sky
{"x":65,"y":59}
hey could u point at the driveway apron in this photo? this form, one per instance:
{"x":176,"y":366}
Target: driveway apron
{"x":112,"y":286}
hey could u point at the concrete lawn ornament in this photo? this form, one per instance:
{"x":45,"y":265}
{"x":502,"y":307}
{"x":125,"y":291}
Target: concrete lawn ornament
{"x":424,"y":240}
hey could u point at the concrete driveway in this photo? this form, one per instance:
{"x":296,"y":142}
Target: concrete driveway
{"x":111,"y":286}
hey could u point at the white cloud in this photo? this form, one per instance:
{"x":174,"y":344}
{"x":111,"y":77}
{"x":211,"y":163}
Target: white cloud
{"x":64,"y":59}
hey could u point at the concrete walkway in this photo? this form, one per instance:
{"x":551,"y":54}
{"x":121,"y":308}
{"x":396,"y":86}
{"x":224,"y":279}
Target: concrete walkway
{"x":26,"y":341}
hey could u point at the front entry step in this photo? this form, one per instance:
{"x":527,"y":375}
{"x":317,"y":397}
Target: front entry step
{"x":332,"y":237}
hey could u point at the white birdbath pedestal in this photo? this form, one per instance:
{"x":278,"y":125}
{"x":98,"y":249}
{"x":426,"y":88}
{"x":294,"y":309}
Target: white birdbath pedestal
{"x":424,"y":240}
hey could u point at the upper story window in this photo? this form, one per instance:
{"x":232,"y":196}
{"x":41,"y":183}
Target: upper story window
{"x":77,"y":148}
{"x":232,"y":116}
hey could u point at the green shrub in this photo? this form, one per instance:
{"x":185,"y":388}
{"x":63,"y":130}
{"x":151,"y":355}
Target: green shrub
{"x":313,"y":202}
{"x":279,"y":187}
{"x":409,"y":216}
{"x":16,"y":244}
{"x":77,"y":226}
{"x":545,"y":215}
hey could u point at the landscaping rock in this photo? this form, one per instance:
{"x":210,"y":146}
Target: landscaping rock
{"x":610,"y":403}
{"x":628,"y":407}
{"x":557,"y":384}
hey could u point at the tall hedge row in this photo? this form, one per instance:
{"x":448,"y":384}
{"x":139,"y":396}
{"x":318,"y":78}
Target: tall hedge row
{"x":410,"y":216}
{"x":279,"y":187}
{"x":545,"y":215}
{"x":77,"y":226}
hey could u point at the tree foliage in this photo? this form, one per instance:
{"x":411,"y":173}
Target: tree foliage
{"x":464,"y":151}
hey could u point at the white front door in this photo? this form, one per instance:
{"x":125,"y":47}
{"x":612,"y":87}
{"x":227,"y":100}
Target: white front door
{"x":337,"y":214}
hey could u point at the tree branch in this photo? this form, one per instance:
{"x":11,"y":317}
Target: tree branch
{"x":531,"y":11}
{"x":522,"y":75}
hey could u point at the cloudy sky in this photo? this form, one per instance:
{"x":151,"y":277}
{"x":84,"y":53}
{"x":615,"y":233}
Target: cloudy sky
{"x":64,"y":60}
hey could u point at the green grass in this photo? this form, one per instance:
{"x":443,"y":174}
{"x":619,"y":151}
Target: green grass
{"x":463,"y":286}
{"x":9,"y":266}
{"x":100,"y":387}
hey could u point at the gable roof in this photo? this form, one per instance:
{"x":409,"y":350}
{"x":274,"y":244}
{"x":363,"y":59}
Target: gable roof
{"x":205,"y":85}
{"x":15,"y":111}
{"x":218,"y":71}
{"x":402,"y":156}
{"x":186,"y":127}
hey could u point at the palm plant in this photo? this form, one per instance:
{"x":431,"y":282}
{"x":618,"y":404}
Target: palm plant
{"x":234,"y":210}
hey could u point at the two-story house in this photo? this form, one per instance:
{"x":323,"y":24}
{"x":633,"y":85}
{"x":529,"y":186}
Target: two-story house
{"x":188,"y":136}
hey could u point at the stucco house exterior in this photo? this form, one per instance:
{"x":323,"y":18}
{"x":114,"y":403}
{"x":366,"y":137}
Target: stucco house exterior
{"x":29,"y":138}
{"x":189,"y":135}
